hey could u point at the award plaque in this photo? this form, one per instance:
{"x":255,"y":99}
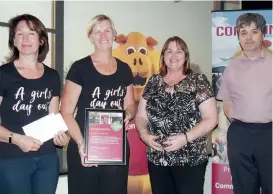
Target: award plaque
{"x":105,"y":136}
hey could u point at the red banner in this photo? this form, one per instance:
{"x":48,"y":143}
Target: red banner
{"x":221,"y":179}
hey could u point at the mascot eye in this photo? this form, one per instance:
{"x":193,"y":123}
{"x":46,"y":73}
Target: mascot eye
{"x":142,"y":50}
{"x":130,"y":50}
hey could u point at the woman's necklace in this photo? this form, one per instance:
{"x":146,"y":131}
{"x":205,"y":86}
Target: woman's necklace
{"x":170,"y":84}
{"x":170,"y":89}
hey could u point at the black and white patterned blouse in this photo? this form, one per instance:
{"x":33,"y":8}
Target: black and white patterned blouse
{"x":176,"y":113}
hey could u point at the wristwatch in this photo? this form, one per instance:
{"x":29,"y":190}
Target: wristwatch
{"x":10,"y":137}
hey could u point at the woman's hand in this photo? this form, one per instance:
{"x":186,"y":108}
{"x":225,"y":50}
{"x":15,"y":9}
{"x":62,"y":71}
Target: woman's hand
{"x":149,"y":140}
{"x":128,"y":117}
{"x":61,"y":139}
{"x":83,"y":155}
{"x":26,"y":143}
{"x":175,"y":142}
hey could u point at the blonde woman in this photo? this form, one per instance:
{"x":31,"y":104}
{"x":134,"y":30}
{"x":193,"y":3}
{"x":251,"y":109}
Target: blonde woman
{"x":88,"y":81}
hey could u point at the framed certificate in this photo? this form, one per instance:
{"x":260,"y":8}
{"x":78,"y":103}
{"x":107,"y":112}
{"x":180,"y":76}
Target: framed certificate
{"x":105,"y":136}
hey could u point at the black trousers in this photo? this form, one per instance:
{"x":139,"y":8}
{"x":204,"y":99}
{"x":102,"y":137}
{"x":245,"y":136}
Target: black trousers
{"x":95,"y":180}
{"x":250,"y":157}
{"x":177,"y":179}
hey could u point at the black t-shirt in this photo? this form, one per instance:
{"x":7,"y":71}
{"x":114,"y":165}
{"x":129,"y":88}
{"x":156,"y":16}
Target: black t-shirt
{"x":98,"y":90}
{"x":24,"y":101}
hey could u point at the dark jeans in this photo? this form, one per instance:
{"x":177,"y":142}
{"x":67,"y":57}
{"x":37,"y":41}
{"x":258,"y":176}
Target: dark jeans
{"x":95,"y":180}
{"x":250,"y":157}
{"x":29,"y":175}
{"x":177,"y":179}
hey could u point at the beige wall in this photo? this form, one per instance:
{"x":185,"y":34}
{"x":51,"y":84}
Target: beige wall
{"x":159,"y":19}
{"x":8,"y":9}
{"x":189,"y":20}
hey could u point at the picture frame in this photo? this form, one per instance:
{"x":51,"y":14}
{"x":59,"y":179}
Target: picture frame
{"x":105,"y":136}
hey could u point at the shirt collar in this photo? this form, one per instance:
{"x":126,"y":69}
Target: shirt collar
{"x":245,"y":58}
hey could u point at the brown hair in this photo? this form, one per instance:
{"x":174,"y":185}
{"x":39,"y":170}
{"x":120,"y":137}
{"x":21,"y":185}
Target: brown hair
{"x":181,"y":44}
{"x":34,"y":24}
{"x":248,"y":18}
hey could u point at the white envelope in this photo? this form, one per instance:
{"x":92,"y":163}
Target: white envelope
{"x":46,"y":127}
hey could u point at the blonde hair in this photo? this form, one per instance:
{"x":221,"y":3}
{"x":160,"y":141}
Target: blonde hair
{"x":98,"y":19}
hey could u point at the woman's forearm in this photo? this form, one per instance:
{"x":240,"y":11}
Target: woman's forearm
{"x":4,"y":134}
{"x":141,"y":125}
{"x":202,"y":128}
{"x":73,"y":128}
{"x":132,"y":110}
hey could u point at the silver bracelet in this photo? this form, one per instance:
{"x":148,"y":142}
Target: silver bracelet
{"x":79,"y":143}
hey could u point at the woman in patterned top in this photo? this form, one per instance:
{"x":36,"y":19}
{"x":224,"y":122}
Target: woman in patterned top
{"x":176,"y":112}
